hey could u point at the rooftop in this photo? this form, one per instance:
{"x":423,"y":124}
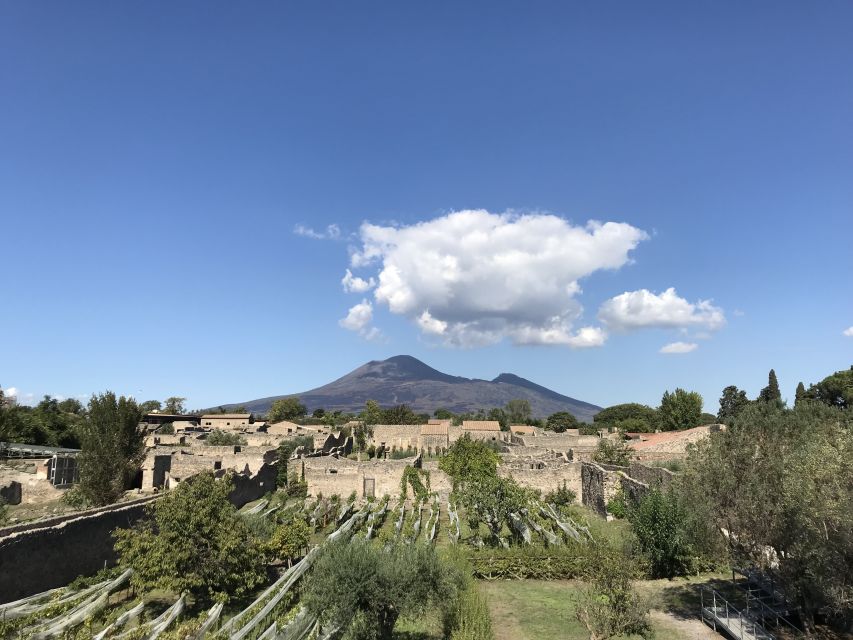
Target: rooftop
{"x":481,"y":425}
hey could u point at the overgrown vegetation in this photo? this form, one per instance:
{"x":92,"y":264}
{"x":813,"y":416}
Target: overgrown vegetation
{"x":193,"y":540}
{"x":219,"y":438}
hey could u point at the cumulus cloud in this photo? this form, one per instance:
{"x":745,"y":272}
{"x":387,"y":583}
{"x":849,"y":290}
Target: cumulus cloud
{"x":354,"y":284}
{"x":10,"y":392}
{"x":848,"y":332}
{"x":475,"y":278}
{"x":679,"y":347}
{"x":332,"y":232}
{"x":643,"y":309}
{"x":358,"y":319}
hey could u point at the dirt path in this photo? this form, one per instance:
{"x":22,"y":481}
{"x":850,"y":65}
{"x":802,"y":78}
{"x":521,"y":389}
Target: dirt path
{"x":684,"y":628}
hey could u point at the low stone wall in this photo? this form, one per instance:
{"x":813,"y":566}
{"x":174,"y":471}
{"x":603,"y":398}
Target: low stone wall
{"x":651,"y":476}
{"x":51,"y":553}
{"x":545,"y":476}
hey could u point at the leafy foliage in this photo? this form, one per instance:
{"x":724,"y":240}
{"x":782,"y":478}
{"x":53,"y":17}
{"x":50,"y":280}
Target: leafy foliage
{"x":627,"y":417}
{"x":732,"y":402}
{"x":175,"y":405}
{"x":193,"y":540}
{"x":835,"y":390}
{"x":285,"y":450}
{"x":610,"y":451}
{"x":679,"y":410}
{"x":113,"y":448}
{"x":286,"y":409}
{"x":289,"y":540}
{"x":660,"y":523}
{"x":468,"y":460}
{"x":779,"y":479}
{"x":562,"y":496}
{"x":219,"y":438}
{"x":364,"y":589}
{"x":610,"y":607}
{"x":771,"y":392}
{"x":518,"y":411}
{"x":560,"y":421}
{"x":50,"y":422}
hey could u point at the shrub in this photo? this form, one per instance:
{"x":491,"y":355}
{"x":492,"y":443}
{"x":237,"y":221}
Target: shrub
{"x":562,"y":497}
{"x":220,"y":438}
{"x":614,"y":452}
{"x":660,"y":523}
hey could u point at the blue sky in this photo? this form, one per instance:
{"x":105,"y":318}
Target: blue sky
{"x":156,"y":159}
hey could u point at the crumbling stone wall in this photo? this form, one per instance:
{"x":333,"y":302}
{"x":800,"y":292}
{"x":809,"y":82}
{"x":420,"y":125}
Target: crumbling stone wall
{"x":598,"y":486}
{"x":651,"y":476}
{"x":544,"y":475}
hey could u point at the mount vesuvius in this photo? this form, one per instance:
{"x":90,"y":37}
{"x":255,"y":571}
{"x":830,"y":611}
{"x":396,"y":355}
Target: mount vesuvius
{"x":407,"y":380}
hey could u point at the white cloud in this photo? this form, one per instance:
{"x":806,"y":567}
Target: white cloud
{"x":476,"y":278}
{"x":848,"y":332}
{"x":358,"y":319}
{"x":332,"y":232}
{"x":354,"y":284}
{"x":643,"y":309}
{"x":679,"y":347}
{"x":10,"y":392}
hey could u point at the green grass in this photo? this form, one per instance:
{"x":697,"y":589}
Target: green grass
{"x":534,"y":609}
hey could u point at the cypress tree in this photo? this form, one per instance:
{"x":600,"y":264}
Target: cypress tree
{"x":771,"y":392}
{"x":801,"y":394}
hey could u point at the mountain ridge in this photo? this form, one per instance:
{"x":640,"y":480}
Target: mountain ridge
{"x":404,"y":379}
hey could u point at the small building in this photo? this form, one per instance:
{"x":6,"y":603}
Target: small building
{"x":434,"y":437}
{"x":484,"y":430}
{"x":226,"y":421}
{"x":164,"y":418}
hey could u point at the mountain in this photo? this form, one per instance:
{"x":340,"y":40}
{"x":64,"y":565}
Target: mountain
{"x":407,"y":380}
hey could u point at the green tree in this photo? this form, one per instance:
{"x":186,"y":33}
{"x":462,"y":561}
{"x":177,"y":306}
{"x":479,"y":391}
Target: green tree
{"x":364,"y":589}
{"x":442,"y":414}
{"x":611,"y":451}
{"x":469,"y":460}
{"x":518,"y":411}
{"x":112,"y":448}
{"x":500,"y":416}
{"x":319,"y":413}
{"x":561,"y":421}
{"x":610,"y":607}
{"x":175,"y":405}
{"x":627,"y":417}
{"x":363,"y":431}
{"x":779,"y":479}
{"x":286,"y":409}
{"x":72,"y":405}
{"x":835,"y":390}
{"x":400,"y":414}
{"x":219,"y":438}
{"x":193,"y":540}
{"x":285,"y":450}
{"x":679,"y":410}
{"x":732,"y":403}
{"x":771,"y":392}
{"x":150,"y":406}
{"x":660,"y":523}
{"x":800,"y":395}
{"x":289,"y":540}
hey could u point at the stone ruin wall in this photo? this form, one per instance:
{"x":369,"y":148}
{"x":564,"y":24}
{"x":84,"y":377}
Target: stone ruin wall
{"x":599,"y":485}
{"x":602,"y":481}
{"x":51,"y":553}
{"x":548,"y":477}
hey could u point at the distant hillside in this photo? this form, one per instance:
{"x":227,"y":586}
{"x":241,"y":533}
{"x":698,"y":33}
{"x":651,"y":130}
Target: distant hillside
{"x":407,"y":380}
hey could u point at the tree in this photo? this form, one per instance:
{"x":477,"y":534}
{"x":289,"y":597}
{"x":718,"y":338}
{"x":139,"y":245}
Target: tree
{"x":71,"y":405}
{"x":630,"y":416}
{"x":610,"y":607}
{"x":400,"y":414}
{"x":442,"y":414}
{"x":800,"y":395}
{"x":835,"y":390}
{"x":777,"y":481}
{"x":560,"y":421}
{"x":679,"y":410}
{"x":469,"y":460}
{"x":613,"y":452}
{"x":113,"y":447}
{"x":660,"y":523}
{"x":150,"y":406}
{"x":192,"y":539}
{"x":490,"y":499}
{"x":319,"y":413}
{"x":285,"y":450}
{"x":175,"y":405}
{"x":364,"y":589}
{"x":286,"y":409}
{"x":363,"y":431}
{"x":500,"y":416}
{"x":518,"y":411}
{"x":219,"y":438}
{"x":771,"y":392}
{"x":289,"y":540}
{"x":732,"y":403}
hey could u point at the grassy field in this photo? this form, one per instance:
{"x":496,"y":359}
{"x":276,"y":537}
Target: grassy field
{"x":533,"y":609}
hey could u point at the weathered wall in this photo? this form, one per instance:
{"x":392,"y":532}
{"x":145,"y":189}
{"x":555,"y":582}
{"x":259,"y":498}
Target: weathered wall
{"x":545,"y":476}
{"x":651,"y":476}
{"x":599,"y":485}
{"x":50,"y":553}
{"x":331,"y":476}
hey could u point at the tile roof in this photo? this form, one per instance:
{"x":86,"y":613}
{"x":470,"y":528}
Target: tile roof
{"x":434,"y":429}
{"x":481,"y":425}
{"x":226,"y":416}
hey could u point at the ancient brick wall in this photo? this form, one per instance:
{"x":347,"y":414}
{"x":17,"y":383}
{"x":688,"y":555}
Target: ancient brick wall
{"x":545,"y":476}
{"x":651,"y":476}
{"x":598,"y":486}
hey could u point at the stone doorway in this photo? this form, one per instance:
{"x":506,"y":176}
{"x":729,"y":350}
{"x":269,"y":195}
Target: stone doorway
{"x":369,"y":487}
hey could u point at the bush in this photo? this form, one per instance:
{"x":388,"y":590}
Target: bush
{"x":614,"y":452}
{"x":220,"y":438}
{"x":562,"y":497}
{"x":530,"y":562}
{"x":192,"y":539}
{"x":660,"y":523}
{"x":468,"y":617}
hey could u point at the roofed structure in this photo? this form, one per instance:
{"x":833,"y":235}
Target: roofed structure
{"x":481,"y":425}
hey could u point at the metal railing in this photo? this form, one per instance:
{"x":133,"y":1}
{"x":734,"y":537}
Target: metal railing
{"x":719,"y":611}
